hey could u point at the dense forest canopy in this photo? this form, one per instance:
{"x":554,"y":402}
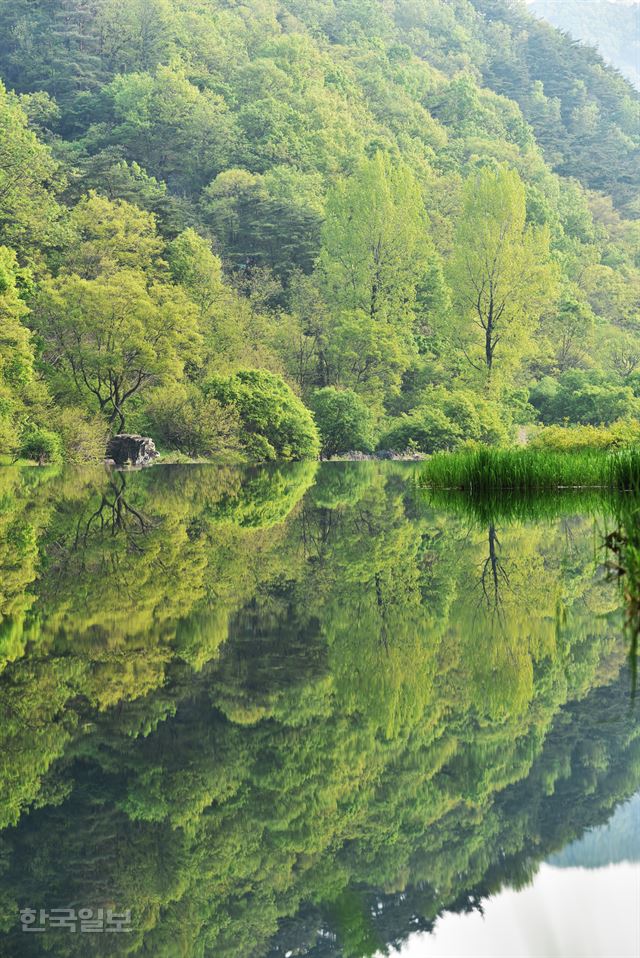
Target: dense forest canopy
{"x":305,"y":711}
{"x":207,"y":203}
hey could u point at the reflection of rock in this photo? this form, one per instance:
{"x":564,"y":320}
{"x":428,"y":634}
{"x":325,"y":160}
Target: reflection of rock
{"x":126,"y":449}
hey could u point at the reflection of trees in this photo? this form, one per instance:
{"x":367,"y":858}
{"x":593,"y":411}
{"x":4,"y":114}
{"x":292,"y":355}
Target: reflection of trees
{"x":113,"y":514}
{"x":24,"y":512}
{"x":291,"y":712}
{"x":623,"y":547}
{"x":494,"y":576}
{"x":132,"y":577}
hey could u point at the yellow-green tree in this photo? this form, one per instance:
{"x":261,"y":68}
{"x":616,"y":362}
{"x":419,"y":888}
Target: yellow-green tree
{"x":376,"y":247}
{"x":376,"y":254}
{"x":115,"y":336}
{"x":500,"y":273}
{"x":18,"y":387}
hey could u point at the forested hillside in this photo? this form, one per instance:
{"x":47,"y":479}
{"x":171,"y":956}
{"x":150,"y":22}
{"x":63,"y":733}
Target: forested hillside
{"x":613,"y":26}
{"x":283,"y":227}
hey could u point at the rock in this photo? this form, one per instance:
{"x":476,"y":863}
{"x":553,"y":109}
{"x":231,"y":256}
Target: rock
{"x":127,"y":450}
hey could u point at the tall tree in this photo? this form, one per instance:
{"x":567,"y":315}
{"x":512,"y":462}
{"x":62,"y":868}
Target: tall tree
{"x":28,"y":175}
{"x":501,"y":273}
{"x":18,"y":387}
{"x":375,"y":260}
{"x":376,"y":248}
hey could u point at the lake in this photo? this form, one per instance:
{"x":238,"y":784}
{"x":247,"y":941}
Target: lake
{"x":313,"y":710}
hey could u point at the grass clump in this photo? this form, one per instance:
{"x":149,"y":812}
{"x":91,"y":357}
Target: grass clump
{"x":485,"y":470}
{"x":622,"y":470}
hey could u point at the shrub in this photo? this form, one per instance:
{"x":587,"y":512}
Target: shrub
{"x":193,"y":423}
{"x":428,"y":430}
{"x":618,"y":435}
{"x":344,"y":421}
{"x":84,"y":437}
{"x":9,"y":432}
{"x":274,"y":423}
{"x":40,"y":444}
{"x":444,"y":420}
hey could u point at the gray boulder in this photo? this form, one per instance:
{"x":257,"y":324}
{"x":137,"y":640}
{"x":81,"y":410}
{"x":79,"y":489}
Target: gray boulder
{"x":127,"y":450}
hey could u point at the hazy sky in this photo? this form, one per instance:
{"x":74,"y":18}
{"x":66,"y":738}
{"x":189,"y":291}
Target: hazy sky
{"x":626,"y":3}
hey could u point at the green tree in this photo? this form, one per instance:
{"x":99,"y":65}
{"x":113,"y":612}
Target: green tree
{"x":570,"y":331}
{"x":445,"y":418}
{"x":108,"y":235}
{"x":376,"y":248}
{"x":271,"y":220}
{"x":195,"y":266}
{"x":186,"y":419}
{"x":344,"y":421}
{"x":500,"y":273}
{"x":275,"y":423}
{"x":20,"y":393}
{"x":29,"y":179}
{"x":115,"y":336}
{"x":176,"y":130}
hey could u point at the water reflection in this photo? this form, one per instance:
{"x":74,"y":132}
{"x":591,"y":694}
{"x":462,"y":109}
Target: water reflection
{"x":296,"y":710}
{"x":561,"y":913}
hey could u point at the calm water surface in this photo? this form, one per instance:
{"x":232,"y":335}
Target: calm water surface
{"x":310,"y":711}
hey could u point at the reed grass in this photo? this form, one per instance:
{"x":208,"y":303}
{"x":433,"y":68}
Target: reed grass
{"x":487,"y":470}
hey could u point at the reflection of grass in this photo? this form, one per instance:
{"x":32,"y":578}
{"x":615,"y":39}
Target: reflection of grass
{"x":499,"y":506}
{"x":496,"y":471}
{"x":509,"y":506}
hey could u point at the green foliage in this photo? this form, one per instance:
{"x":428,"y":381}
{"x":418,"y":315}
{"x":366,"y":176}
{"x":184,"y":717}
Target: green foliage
{"x":194,"y":423}
{"x":195,"y":267}
{"x":343,"y":420}
{"x":500,"y":274}
{"x":567,"y":94}
{"x":83,"y":436}
{"x":109,"y":235}
{"x":581,"y":397}
{"x":173,"y":128}
{"x":275,"y":423}
{"x":18,"y":386}
{"x":375,"y":243}
{"x":115,"y":336}
{"x":375,"y":253}
{"x":623,"y":432}
{"x":387,"y":199}
{"x":609,"y":26}
{"x":436,"y":704}
{"x":39,"y":444}
{"x":570,"y":332}
{"x":427,"y":429}
{"x":445,"y":420}
{"x":266,"y":221}
{"x":29,"y":213}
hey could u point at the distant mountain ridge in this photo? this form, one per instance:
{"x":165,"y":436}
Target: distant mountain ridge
{"x":613,"y":26}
